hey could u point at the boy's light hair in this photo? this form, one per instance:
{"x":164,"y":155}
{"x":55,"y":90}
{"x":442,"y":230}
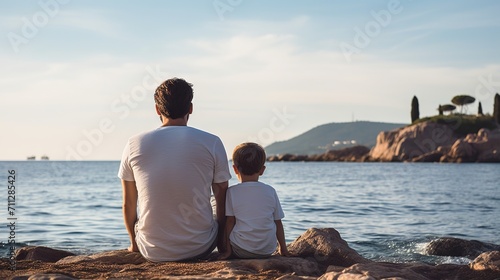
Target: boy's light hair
{"x":249,"y":158}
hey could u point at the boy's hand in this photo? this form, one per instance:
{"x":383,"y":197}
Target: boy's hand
{"x":225,"y":255}
{"x":284,"y":252}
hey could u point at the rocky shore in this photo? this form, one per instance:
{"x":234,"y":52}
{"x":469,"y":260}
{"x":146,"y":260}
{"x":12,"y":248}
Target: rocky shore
{"x":422,"y":142}
{"x":350,"y":154}
{"x":317,"y":254}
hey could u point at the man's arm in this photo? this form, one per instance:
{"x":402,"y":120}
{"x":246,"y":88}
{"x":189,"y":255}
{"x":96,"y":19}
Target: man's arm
{"x":129,"y":209}
{"x":230,"y":221}
{"x":220,"y":190}
{"x":280,"y":235}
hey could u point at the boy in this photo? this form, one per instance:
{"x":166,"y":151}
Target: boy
{"x":253,"y":210}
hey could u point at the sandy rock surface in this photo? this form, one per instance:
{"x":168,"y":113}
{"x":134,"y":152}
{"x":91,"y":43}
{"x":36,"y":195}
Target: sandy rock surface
{"x":318,"y":254}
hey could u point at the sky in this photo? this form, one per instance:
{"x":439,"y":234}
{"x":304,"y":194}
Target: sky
{"x":77,"y":77}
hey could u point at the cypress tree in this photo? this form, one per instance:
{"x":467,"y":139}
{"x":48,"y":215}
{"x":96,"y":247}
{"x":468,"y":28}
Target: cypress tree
{"x":480,"y":109}
{"x":415,"y":113}
{"x":440,"y":109}
{"x":496,"y":108}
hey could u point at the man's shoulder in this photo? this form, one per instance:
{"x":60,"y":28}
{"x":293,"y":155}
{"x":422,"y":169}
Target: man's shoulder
{"x":200,"y":132}
{"x":185,"y":129}
{"x":140,"y":135}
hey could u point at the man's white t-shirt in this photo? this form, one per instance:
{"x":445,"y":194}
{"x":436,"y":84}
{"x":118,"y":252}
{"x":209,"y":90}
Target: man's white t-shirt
{"x":174,"y":168}
{"x":255,"y":207}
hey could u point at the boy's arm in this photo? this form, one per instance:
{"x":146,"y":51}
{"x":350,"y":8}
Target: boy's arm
{"x":280,"y":235}
{"x":220,"y":190}
{"x":129,"y":209}
{"x":230,"y":221}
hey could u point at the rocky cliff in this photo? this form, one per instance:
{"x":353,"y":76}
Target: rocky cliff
{"x":433,"y":142}
{"x":350,"y":154}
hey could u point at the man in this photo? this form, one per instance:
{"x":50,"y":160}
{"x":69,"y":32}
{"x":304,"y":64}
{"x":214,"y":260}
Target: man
{"x":168,"y":172}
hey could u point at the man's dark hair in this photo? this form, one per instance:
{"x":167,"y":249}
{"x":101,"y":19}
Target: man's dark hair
{"x":174,"y":97}
{"x":249,"y":158}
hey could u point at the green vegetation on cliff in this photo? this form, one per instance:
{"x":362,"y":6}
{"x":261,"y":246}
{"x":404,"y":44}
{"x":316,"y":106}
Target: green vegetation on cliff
{"x":463,"y":124}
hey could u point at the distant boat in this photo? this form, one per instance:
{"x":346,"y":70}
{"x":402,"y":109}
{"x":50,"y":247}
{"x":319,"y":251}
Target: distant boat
{"x":31,"y":158}
{"x":44,"y":157}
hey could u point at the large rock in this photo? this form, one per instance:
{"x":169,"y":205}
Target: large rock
{"x":456,"y":247}
{"x":374,"y":271}
{"x":111,"y":257}
{"x":298,"y":266}
{"x":434,"y":156}
{"x":433,"y":142}
{"x":412,"y":141}
{"x":41,"y":253}
{"x":326,"y":247}
{"x":409,"y":271}
{"x":295,"y":265}
{"x":462,"y":151}
{"x":351,"y":154}
{"x":487,"y":261}
{"x":282,"y":264}
{"x":319,"y":252}
{"x":50,"y":276}
{"x":481,"y":147}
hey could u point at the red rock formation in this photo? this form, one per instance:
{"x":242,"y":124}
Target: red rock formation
{"x":411,"y":142}
{"x":432,"y":142}
{"x":481,"y":147}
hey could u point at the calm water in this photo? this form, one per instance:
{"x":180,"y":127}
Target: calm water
{"x":386,"y":211}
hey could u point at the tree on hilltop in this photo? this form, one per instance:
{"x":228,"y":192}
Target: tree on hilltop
{"x":480,"y":110}
{"x":415,"y":112}
{"x":462,"y":100}
{"x":448,"y":108}
{"x":496,"y":108}
{"x":440,"y":110}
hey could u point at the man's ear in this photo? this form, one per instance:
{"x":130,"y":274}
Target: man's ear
{"x":190,"y":109}
{"x":157,"y":110}
{"x":262,"y":170}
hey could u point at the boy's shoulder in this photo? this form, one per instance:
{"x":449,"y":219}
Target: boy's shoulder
{"x":253,"y":184}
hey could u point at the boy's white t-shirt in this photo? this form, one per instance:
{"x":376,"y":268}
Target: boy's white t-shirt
{"x":255,"y":206}
{"x":174,"y":168}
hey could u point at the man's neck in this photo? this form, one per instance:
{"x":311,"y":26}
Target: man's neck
{"x":249,"y":178}
{"x":175,"y":122}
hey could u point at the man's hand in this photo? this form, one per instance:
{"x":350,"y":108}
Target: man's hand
{"x":220,"y":190}
{"x":284,"y":252}
{"x":226,"y":255}
{"x":129,"y":209}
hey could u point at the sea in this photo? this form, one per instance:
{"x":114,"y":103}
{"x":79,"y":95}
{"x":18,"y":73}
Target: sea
{"x":385,"y":211}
